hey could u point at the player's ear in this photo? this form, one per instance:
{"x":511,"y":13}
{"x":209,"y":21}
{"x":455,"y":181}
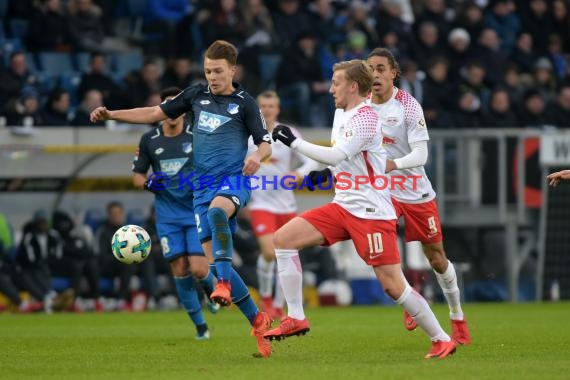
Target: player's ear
{"x":354,"y":86}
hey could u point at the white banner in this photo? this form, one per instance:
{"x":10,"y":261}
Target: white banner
{"x":555,"y":149}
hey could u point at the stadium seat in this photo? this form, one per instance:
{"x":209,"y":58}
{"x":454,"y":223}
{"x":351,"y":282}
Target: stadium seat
{"x":268,"y":65}
{"x":137,"y":10}
{"x":10,"y":45}
{"x":127,"y":62}
{"x":119,"y":79}
{"x":136,"y":216}
{"x":70,"y":82}
{"x":19,"y":28}
{"x":197,"y":41}
{"x":60,"y":283}
{"x":55,"y":63}
{"x":46,"y":82}
{"x":81,"y":61}
{"x":93,"y":218}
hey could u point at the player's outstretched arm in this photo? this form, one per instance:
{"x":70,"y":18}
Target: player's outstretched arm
{"x":326,"y":155}
{"x":143,"y":115}
{"x":556,"y":177}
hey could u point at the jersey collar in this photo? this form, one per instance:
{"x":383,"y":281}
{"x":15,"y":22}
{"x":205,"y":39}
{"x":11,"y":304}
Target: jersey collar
{"x":238,"y":90}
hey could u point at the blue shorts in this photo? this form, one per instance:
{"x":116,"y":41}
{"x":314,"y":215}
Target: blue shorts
{"x":239,"y":195}
{"x":179,"y":239}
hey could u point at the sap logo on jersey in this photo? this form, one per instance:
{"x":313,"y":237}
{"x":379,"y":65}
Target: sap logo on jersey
{"x":173,"y":166}
{"x":209,"y":122}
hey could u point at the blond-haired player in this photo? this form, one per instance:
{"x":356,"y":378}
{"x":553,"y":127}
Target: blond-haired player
{"x":359,"y":212}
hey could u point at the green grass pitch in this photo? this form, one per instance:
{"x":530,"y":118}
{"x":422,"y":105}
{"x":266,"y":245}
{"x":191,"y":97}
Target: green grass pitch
{"x":525,"y":341}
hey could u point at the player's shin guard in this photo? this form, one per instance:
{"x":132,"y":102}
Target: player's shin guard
{"x":208,"y":283}
{"x":419,"y":309}
{"x":291,"y":278}
{"x":278,"y":296}
{"x":189,"y":299}
{"x":241,"y":297}
{"x":448,"y":283}
{"x":222,"y":244}
{"x":265,"y":275}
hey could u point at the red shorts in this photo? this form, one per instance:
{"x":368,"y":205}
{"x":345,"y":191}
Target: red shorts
{"x":375,"y":240}
{"x":265,"y":222}
{"x":421,"y":220}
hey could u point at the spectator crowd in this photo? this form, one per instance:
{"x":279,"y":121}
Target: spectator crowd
{"x":470,"y":63}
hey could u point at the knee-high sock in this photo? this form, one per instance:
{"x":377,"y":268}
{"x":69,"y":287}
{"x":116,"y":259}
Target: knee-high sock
{"x":419,"y":309}
{"x":222,"y":244}
{"x":208,"y":283}
{"x":189,"y":299}
{"x":291,"y":278}
{"x":265,"y":275}
{"x":278,"y":296}
{"x":448,"y":282}
{"x":240,"y":295}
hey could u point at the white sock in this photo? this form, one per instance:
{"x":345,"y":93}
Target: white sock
{"x":291,"y":278}
{"x":448,"y":283}
{"x":278,"y":296}
{"x":419,"y":309}
{"x":265,"y":275}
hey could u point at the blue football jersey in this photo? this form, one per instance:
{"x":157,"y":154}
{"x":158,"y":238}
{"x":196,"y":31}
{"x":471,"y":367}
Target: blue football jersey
{"x":173,"y":157}
{"x":222,"y":125}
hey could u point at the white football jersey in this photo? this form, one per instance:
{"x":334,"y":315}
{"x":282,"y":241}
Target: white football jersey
{"x":403,"y":123}
{"x":357,"y":133}
{"x":271,"y":195}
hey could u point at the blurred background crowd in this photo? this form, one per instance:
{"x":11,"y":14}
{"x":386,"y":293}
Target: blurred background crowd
{"x":470,"y":63}
{"x":62,"y":265}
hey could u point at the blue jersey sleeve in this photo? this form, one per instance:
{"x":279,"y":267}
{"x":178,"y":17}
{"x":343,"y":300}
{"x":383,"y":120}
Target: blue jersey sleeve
{"x":141,"y":162}
{"x":255,"y":122}
{"x":182,"y":102}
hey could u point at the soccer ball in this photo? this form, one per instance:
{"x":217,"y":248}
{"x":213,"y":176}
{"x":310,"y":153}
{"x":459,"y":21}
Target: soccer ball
{"x":131,"y":244}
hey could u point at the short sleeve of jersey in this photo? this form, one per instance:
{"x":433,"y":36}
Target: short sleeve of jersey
{"x":255,"y":122}
{"x":359,"y":132}
{"x":141,"y":162}
{"x":182,"y":102}
{"x":415,"y":122}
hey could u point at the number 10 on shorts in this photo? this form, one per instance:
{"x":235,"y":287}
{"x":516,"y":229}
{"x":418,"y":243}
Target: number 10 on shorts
{"x":375,"y":246}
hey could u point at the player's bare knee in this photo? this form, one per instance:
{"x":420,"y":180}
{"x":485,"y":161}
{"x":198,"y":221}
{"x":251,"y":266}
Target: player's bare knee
{"x":279,"y":239}
{"x":268,"y":255}
{"x":436,"y":257}
{"x":199,"y":268}
{"x":180,"y":267}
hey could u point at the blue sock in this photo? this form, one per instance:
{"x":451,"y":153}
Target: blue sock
{"x":207,"y":283}
{"x":240,"y":295}
{"x":222,"y":244}
{"x":189,"y":299}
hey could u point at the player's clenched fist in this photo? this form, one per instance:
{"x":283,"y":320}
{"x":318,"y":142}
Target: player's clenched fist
{"x":284,"y":134}
{"x":99,"y":114}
